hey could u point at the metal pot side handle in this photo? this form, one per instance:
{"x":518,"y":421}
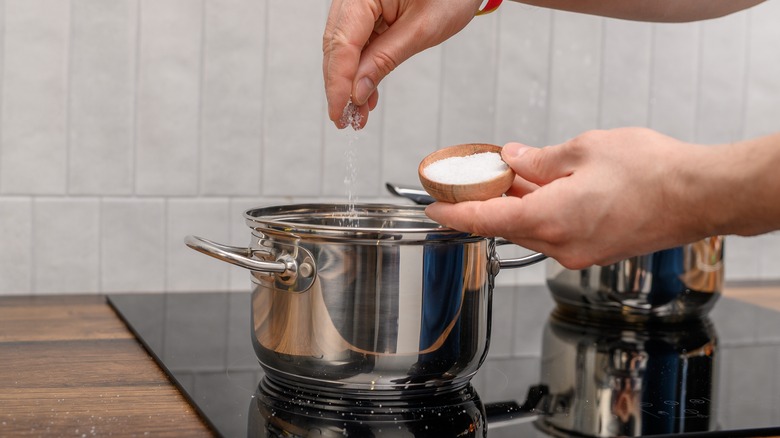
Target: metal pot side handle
{"x":238,"y":256}
{"x":521,"y":261}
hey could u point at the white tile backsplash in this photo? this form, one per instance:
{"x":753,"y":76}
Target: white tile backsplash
{"x":523,"y":74}
{"x":576,"y":48}
{"x":132,"y":245}
{"x":721,"y":80}
{"x":16,"y":258}
{"x":232,"y":101}
{"x":762,"y":109}
{"x":468,"y":84}
{"x":294,"y":99}
{"x":410,"y":103}
{"x":102,"y":97}
{"x":674,"y":79}
{"x":33,"y":111}
{"x":625,"y":75}
{"x":66,"y":245}
{"x":168,"y":97}
{"x":137,"y":122}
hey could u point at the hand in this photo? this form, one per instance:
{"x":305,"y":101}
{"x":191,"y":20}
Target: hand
{"x":365,"y":40}
{"x":599,"y":198}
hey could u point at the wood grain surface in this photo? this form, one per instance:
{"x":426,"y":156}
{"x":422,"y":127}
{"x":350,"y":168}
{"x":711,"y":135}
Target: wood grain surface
{"x":70,"y":367}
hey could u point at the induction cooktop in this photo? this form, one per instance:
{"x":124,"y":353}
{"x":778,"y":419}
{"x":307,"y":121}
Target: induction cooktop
{"x":543,"y":376}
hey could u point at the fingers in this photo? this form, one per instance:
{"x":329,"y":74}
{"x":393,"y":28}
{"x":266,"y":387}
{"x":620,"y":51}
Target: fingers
{"x":386,"y":51}
{"x":502,"y":217}
{"x":540,"y":166}
{"x":521,"y":187}
{"x":348,"y":29}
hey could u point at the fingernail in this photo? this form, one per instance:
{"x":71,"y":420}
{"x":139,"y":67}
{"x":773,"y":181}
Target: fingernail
{"x":364,"y":89}
{"x":514,"y":150}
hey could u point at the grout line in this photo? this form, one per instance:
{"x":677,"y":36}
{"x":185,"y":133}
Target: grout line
{"x":651,"y":76}
{"x":100,"y":230}
{"x":602,"y":65}
{"x":166,"y":232}
{"x":746,"y":65}
{"x":68,"y":95}
{"x":263,"y":87}
{"x":496,"y":78}
{"x":2,"y":78}
{"x":201,"y":86}
{"x":550,"y":87}
{"x":33,"y":269}
{"x":440,"y":112}
{"x":136,"y":86}
{"x":699,"y":64}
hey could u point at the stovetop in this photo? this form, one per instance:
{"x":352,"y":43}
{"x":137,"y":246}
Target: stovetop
{"x":715,"y":377}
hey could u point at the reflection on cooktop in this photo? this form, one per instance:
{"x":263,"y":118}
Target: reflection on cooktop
{"x":543,"y":376}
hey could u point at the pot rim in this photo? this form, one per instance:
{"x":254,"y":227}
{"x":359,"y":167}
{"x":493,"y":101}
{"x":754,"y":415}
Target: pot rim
{"x":348,"y":219}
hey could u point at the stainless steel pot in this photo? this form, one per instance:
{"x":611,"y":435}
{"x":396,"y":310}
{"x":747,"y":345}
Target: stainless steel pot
{"x":672,"y":285}
{"x":377,"y":297}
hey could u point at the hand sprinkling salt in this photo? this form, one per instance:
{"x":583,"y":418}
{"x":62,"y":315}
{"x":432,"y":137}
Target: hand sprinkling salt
{"x":466,"y":170}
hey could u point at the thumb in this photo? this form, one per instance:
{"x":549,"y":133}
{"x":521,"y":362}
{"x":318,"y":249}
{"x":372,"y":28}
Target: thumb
{"x":537,"y":165}
{"x":411,"y":28}
{"x":381,"y":56}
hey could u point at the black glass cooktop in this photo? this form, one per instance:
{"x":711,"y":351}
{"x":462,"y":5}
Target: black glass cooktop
{"x":543,"y":376}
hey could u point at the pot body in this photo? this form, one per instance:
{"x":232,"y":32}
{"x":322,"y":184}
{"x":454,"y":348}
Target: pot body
{"x":366,"y":297}
{"x":672,"y":285}
{"x":376,"y":316}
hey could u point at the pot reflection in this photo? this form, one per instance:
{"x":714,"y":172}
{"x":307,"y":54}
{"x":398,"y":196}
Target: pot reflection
{"x":628,"y":381}
{"x":277,"y":410}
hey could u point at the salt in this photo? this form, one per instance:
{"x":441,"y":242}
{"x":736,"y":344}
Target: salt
{"x":470,"y":169}
{"x":351,"y":117}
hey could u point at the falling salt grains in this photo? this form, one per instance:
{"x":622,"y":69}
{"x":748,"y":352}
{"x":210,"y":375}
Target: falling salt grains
{"x":466,"y":170}
{"x":351,"y":117}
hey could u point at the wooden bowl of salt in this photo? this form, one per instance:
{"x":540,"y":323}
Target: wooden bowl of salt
{"x":466,"y":172}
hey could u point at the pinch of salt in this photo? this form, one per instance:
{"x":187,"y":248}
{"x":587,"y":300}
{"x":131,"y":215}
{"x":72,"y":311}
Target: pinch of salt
{"x":466,"y":170}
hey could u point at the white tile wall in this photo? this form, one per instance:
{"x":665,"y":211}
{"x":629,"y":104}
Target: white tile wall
{"x":169,"y":73}
{"x":133,"y":245}
{"x":34,"y":100}
{"x":102,"y":97}
{"x":66,"y":245}
{"x":232,"y":97}
{"x":126,"y":125}
{"x":674,"y":78}
{"x":16,"y":260}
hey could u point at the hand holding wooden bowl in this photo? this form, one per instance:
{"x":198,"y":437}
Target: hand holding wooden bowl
{"x":469,"y":174}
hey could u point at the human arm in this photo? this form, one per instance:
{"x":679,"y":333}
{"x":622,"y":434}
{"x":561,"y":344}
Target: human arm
{"x":364,"y":40}
{"x":608,"y":195}
{"x":649,"y":10}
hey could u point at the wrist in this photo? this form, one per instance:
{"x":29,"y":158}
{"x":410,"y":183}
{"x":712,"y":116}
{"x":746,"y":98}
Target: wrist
{"x":703,"y":192}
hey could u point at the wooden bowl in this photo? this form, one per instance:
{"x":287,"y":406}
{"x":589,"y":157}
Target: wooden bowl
{"x":480,"y":191}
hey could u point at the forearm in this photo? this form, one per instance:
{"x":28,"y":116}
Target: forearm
{"x":740,"y":183}
{"x":649,"y":10}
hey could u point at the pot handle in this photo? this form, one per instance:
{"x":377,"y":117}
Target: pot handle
{"x":240,"y":256}
{"x":521,"y":261}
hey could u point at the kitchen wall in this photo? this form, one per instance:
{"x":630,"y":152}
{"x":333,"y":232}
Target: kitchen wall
{"x":126,"y":125}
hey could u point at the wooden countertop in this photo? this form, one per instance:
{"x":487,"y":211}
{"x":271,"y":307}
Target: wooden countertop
{"x":70,"y":367}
